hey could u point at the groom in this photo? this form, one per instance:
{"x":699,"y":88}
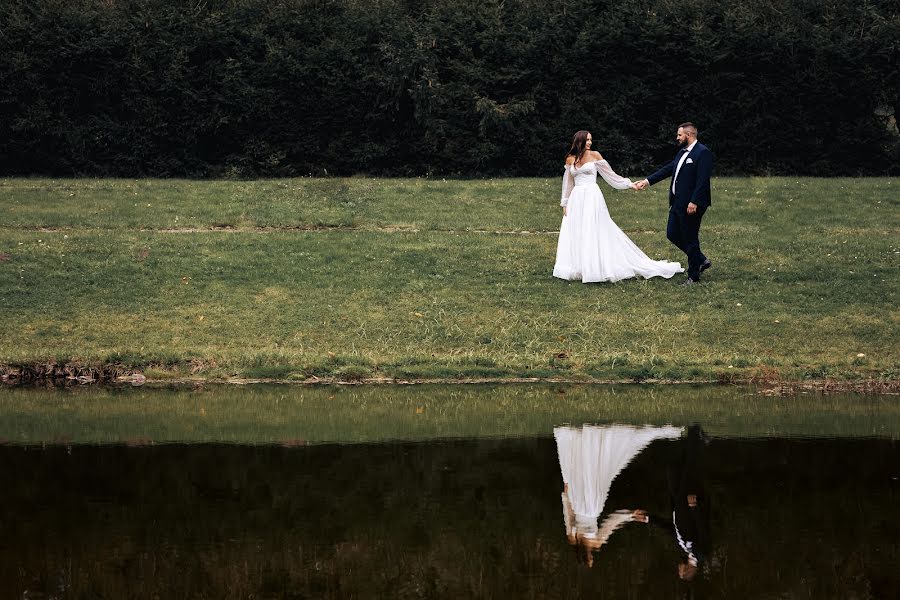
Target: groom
{"x":689,"y":197}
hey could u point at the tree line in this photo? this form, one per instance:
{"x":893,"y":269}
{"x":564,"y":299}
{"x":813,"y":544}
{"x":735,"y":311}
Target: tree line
{"x":248,"y":88}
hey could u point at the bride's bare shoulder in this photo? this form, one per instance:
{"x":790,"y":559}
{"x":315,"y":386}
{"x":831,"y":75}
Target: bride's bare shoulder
{"x":596,"y":155}
{"x":570,"y":160}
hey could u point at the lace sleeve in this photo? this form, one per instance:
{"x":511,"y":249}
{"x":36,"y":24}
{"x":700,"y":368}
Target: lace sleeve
{"x":567,"y":185}
{"x":610,"y":176}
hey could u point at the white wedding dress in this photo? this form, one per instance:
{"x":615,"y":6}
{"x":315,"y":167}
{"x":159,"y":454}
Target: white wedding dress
{"x":591,"y":246}
{"x":590,"y":458}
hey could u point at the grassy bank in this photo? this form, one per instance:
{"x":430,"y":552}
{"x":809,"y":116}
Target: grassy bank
{"x":361,"y":278}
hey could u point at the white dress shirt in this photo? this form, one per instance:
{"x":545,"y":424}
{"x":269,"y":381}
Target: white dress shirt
{"x":681,"y":162}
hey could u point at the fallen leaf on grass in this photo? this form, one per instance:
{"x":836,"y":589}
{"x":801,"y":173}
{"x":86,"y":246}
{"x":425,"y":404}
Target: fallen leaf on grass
{"x":185,"y":280}
{"x":143,"y":253}
{"x":4,"y":257}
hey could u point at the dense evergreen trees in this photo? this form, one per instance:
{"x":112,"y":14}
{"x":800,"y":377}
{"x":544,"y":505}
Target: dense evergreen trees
{"x":467,"y":87}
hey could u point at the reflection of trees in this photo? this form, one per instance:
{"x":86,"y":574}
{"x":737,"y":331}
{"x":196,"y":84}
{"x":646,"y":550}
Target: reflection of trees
{"x":323,"y":521}
{"x":451,"y":519}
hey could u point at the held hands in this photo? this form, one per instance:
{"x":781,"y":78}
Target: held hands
{"x":643,"y":184}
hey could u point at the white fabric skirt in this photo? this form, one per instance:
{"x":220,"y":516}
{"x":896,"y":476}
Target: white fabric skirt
{"x":590,"y":458}
{"x":592,"y":248}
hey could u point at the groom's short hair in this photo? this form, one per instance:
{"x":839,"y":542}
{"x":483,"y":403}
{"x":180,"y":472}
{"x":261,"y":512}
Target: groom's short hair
{"x":688,"y":126}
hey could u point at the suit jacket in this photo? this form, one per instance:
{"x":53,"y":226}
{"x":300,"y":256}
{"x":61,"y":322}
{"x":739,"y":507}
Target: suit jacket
{"x":692,"y":184}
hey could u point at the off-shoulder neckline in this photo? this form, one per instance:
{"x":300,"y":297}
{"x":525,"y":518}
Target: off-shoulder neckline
{"x":587,"y":163}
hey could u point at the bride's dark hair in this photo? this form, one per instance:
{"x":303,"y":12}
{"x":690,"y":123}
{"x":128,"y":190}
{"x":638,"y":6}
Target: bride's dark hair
{"x":579,"y":145}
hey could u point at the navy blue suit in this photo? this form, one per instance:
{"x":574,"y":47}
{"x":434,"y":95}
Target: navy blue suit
{"x":692,"y":185}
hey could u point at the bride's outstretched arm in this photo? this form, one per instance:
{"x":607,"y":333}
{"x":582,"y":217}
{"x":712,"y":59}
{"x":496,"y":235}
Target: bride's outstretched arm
{"x":610,"y":176}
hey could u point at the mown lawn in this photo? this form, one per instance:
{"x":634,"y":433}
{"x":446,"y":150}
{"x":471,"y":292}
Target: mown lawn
{"x":425,"y":278}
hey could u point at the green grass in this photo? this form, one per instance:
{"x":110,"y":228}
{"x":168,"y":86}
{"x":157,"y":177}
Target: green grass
{"x":428,"y":279}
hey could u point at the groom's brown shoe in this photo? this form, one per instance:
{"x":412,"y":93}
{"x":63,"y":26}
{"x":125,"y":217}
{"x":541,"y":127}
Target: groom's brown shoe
{"x":706,"y":265}
{"x":690,"y":281}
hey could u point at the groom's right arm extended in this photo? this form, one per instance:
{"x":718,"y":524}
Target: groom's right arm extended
{"x":664,"y":172}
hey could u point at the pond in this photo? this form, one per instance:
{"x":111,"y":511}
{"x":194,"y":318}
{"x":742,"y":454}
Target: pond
{"x":465,"y":491}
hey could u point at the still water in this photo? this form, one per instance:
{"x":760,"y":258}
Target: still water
{"x":448,"y":492}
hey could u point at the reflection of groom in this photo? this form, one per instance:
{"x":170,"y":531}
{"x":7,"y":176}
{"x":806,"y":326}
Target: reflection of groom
{"x":689,"y":197}
{"x":690,"y":505}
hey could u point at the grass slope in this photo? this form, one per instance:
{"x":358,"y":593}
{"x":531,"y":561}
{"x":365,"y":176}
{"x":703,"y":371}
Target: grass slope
{"x":419,"y":278}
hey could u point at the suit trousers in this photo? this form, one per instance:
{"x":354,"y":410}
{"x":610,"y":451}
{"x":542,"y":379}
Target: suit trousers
{"x":683,"y":230}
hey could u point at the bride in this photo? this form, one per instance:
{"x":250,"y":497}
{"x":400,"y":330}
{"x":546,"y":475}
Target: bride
{"x":591,"y":246}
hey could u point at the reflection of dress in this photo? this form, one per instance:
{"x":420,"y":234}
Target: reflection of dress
{"x":590,"y":457}
{"x":591,"y":246}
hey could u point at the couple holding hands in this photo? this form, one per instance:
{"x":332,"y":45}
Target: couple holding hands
{"x":593,"y":248}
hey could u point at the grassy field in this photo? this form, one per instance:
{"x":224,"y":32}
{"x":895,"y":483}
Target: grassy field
{"x":431,"y":279}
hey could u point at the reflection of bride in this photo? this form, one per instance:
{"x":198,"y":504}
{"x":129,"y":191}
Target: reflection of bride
{"x":590,"y":457}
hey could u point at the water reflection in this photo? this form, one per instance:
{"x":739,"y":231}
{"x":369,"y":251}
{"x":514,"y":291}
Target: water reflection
{"x":464,"y":518}
{"x":590,"y":458}
{"x":278,"y":414}
{"x":690,"y":503}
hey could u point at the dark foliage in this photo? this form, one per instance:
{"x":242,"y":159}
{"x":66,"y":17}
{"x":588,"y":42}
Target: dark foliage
{"x":248,"y":88}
